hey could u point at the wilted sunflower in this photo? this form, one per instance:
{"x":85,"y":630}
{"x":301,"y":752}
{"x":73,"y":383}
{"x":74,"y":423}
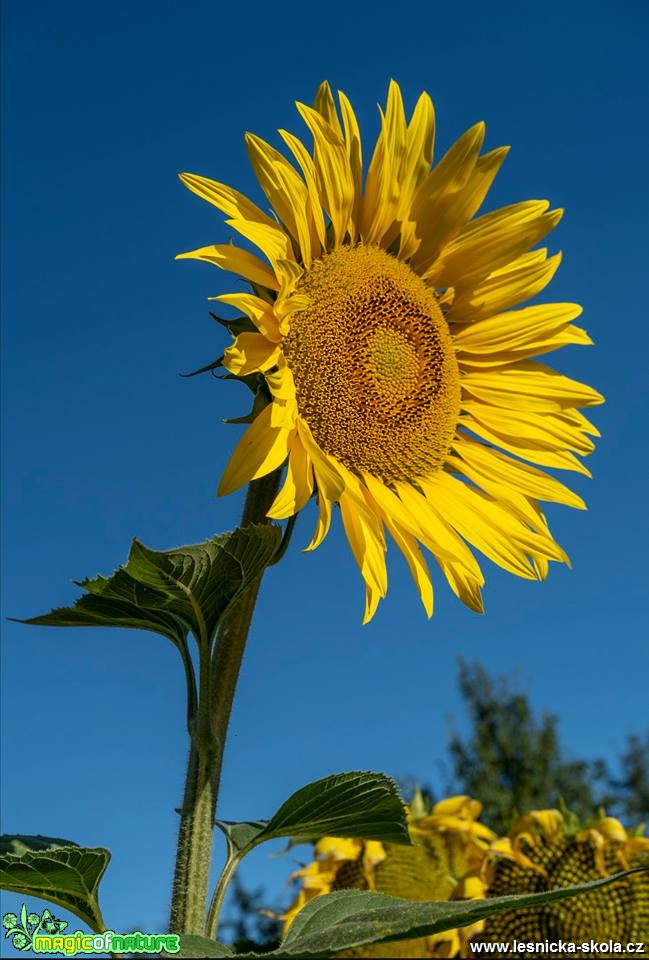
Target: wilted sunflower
{"x":394,"y":366}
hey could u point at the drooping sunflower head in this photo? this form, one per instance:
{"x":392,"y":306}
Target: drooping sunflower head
{"x":444,"y":863}
{"x":456,"y":857}
{"x":544,"y":850}
{"x":395,"y":373}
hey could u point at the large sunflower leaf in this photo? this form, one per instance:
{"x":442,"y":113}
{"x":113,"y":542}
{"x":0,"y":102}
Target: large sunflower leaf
{"x":172,"y":591}
{"x":354,"y":918}
{"x":55,"y":870}
{"x":193,"y":945}
{"x":359,"y":805}
{"x":115,"y":601}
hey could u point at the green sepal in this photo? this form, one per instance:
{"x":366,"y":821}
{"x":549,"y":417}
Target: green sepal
{"x":214,"y":365}
{"x":261,"y":399}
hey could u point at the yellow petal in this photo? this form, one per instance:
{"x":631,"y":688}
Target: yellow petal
{"x":316,"y":221}
{"x":500,"y":469}
{"x":459,"y":805}
{"x":394,"y":509}
{"x":453,"y":171}
{"x":416,"y":564}
{"x":280,"y":382}
{"x":446,"y":179}
{"x":474,"y":519}
{"x":364,"y":535}
{"x":260,"y":450}
{"x":492,"y":361}
{"x":325,"y":106}
{"x":549,"y":823}
{"x":229,"y":201}
{"x":454,"y":209}
{"x":323,"y":524}
{"x":456,"y":561}
{"x":283,"y":414}
{"x":529,"y":386}
{"x":505,"y":288}
{"x":298,"y":485}
{"x":490,"y":242}
{"x":335,"y":181}
{"x":521,"y":332}
{"x":516,"y":505}
{"x":525,"y":448}
{"x":326,"y":468}
{"x":256,"y":309}
{"x":352,"y":138}
{"x":435,"y":532}
{"x":232,"y":258}
{"x":384,"y":176}
{"x":420,"y":140}
{"x":270,"y":238}
{"x":546,"y":430}
{"x":577,"y":419}
{"x":285,"y":190}
{"x":250,"y":352}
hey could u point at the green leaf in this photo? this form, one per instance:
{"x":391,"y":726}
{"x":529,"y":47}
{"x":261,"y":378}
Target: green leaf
{"x":172,"y":591}
{"x":55,"y":870}
{"x":116,"y":601}
{"x":361,"y":805}
{"x":350,"y":918}
{"x":354,"y":918}
{"x":191,"y":945}
{"x":364,"y":806}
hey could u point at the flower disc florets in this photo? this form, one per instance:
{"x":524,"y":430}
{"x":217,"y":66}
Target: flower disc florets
{"x":375,"y":373}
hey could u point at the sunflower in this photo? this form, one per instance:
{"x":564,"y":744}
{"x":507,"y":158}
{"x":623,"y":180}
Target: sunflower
{"x":544,"y":850}
{"x":445,"y":862}
{"x":456,"y":857}
{"x":396,"y":378}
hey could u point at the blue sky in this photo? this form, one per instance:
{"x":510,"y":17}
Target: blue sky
{"x":104,"y":105}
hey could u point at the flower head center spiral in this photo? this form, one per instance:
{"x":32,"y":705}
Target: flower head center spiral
{"x":373,"y":362}
{"x":393,"y":361}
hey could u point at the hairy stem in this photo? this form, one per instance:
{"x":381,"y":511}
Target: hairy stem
{"x":218,"y":674}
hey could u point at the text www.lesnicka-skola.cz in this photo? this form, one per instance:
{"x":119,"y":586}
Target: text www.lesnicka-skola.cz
{"x":593,"y":948}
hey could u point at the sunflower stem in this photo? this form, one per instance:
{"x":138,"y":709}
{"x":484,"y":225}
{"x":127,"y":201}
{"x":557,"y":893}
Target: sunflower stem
{"x":218,"y":674}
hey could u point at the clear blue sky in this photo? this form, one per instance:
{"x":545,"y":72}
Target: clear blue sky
{"x":104,"y":104}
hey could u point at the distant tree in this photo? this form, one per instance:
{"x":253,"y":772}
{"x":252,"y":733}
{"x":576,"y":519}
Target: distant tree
{"x":512,"y":761}
{"x":630,"y":791}
{"x":246,"y":925}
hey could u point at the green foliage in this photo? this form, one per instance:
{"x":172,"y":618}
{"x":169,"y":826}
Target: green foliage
{"x":359,"y":805}
{"x":55,"y":870}
{"x":173,"y":591}
{"x":629,"y":793}
{"x":353,"y":918}
{"x":365,"y":806}
{"x":247,"y":926}
{"x":511,"y":761}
